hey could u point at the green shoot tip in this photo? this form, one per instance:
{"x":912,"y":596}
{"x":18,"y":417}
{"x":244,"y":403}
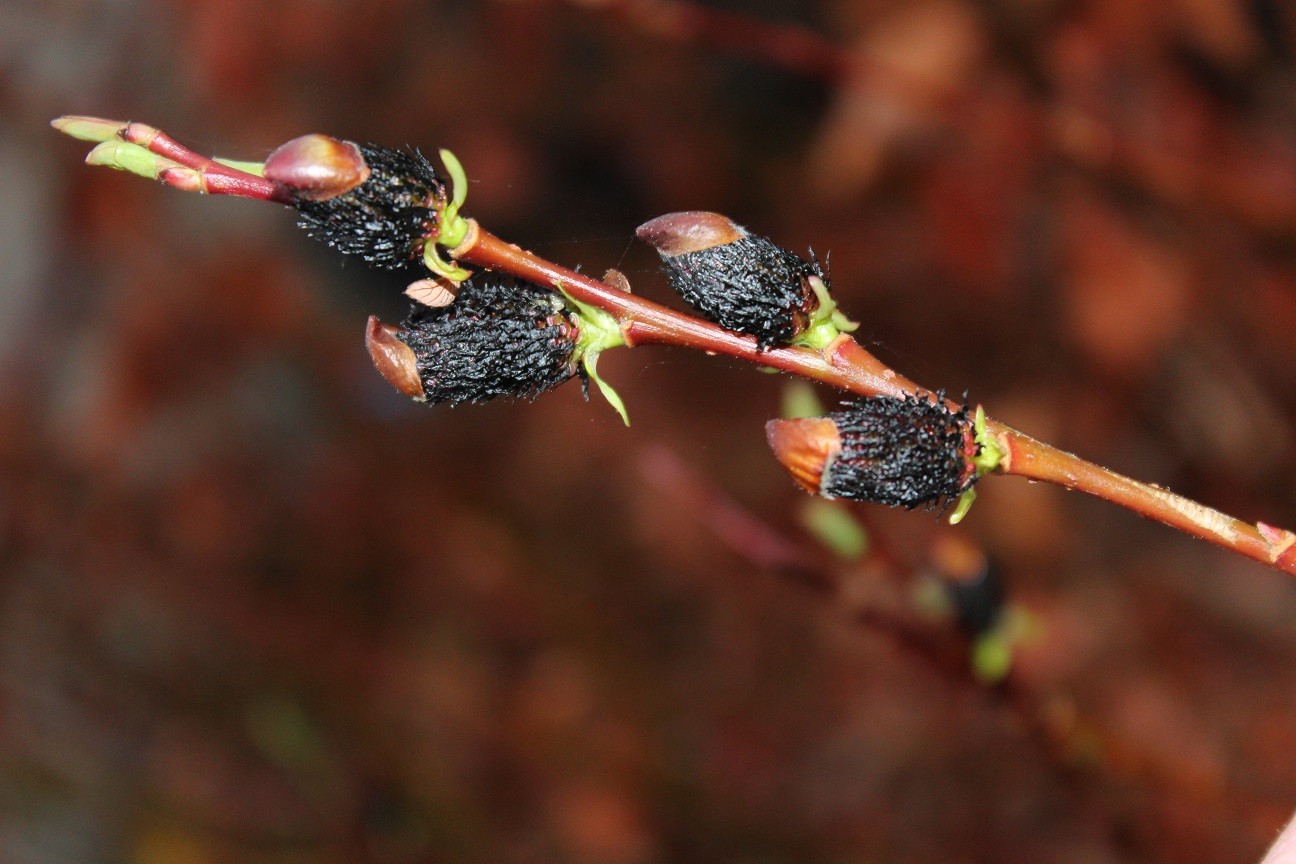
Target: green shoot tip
{"x":129,"y":157}
{"x":599,"y":331}
{"x":827,"y":322}
{"x":88,"y":128}
{"x":445,"y":269}
{"x":458,"y":178}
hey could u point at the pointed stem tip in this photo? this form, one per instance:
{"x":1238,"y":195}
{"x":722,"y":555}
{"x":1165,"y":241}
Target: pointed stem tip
{"x":690,"y":231}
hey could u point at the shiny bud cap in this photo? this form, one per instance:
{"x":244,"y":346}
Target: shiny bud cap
{"x":317,"y":167}
{"x":806,"y":447}
{"x":691,"y":231}
{"x":393,"y":359}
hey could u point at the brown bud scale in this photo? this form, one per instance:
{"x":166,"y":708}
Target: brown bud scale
{"x":805,"y":446}
{"x":691,"y":231}
{"x":317,"y":167}
{"x":393,"y":358}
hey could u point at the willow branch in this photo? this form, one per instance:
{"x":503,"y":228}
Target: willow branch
{"x":848,"y":366}
{"x":843,"y":363}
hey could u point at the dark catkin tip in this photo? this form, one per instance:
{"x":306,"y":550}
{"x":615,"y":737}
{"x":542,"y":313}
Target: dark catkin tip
{"x":498,"y":338}
{"x":751,"y":286}
{"x":386,"y":219}
{"x":908,"y":452}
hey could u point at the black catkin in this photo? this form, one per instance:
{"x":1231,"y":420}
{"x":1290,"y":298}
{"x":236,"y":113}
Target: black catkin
{"x":906,"y":452}
{"x":385,"y":220}
{"x":498,"y":338}
{"x":750,"y":286}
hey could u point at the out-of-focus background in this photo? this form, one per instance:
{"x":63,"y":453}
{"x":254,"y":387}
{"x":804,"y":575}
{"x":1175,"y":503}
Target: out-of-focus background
{"x":257,"y":607}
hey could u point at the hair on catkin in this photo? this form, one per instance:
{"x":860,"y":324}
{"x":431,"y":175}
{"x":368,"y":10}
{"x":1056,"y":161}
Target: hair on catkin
{"x":387,"y":219}
{"x":498,"y":338}
{"x":905,"y":452}
{"x":741,"y":281}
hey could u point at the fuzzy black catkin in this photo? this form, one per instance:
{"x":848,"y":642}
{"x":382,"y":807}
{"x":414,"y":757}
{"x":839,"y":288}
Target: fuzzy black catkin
{"x":384,"y":220}
{"x":750,"y":286}
{"x":498,"y":338}
{"x":903,"y":452}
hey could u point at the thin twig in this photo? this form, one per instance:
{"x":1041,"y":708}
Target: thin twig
{"x":848,"y":366}
{"x":843,"y":364}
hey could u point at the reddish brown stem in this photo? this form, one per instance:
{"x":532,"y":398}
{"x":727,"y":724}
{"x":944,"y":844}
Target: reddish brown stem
{"x":1027,"y":457}
{"x":643,"y":322}
{"x":848,"y":366}
{"x":239,"y":184}
{"x":213,"y":177}
{"x":842,"y":364}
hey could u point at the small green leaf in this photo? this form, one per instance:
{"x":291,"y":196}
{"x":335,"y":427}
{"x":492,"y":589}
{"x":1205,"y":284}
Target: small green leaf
{"x":129,"y":157}
{"x":458,"y":178}
{"x":453,"y":227}
{"x":827,"y":322}
{"x":599,"y":331}
{"x":433,"y":261}
{"x":842,"y":323}
{"x":964,"y":505}
{"x":88,"y":128}
{"x":800,"y":400}
{"x":992,"y":656}
{"x":256,"y":168}
{"x":614,"y":399}
{"x":834,"y":527}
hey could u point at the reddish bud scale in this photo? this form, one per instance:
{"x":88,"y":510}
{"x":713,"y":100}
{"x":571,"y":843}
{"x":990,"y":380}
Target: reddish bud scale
{"x":393,"y":358}
{"x":387,"y":219}
{"x":690,"y":231}
{"x":804,"y":446}
{"x":317,"y":167}
{"x":498,"y":338}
